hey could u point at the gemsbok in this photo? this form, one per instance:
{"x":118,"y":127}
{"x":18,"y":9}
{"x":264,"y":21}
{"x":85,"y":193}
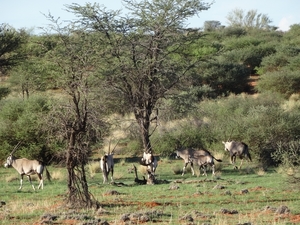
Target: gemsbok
{"x":150,"y":161}
{"x":107,"y":164}
{"x":235,"y":149}
{"x":203,"y":161}
{"x":27,"y":167}
{"x":190,"y":155}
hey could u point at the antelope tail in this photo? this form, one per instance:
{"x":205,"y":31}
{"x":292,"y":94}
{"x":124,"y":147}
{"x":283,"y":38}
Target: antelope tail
{"x":48,"y":174}
{"x":249,"y":156}
{"x":219,"y":160}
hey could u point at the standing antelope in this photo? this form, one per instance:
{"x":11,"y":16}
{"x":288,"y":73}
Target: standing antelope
{"x":150,"y":161}
{"x":188,"y":155}
{"x":27,"y":167}
{"x":204,"y":160}
{"x":235,"y":149}
{"x":107,"y":164}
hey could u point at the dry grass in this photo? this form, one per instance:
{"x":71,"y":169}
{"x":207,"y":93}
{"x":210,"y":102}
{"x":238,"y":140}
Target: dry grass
{"x":58,"y":175}
{"x":292,"y":103}
{"x":260,"y":172}
{"x":94,"y":168}
{"x":142,"y":169}
{"x":177,"y":169}
{"x":12,"y":178}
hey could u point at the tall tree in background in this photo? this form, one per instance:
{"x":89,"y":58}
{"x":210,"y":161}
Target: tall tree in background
{"x":36,"y":73}
{"x":212,"y":25}
{"x":146,"y":51}
{"x":10,"y":51}
{"x":10,"y":43}
{"x":249,"y":20}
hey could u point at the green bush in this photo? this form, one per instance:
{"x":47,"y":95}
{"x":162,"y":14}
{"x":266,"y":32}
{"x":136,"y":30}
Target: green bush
{"x":21,"y":121}
{"x":223,"y":77}
{"x":287,"y":154}
{"x":285,"y":82}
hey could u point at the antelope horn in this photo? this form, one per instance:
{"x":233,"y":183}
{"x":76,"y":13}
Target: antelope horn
{"x":16,"y":147}
{"x":230,"y":134}
{"x":185,"y":141}
{"x":115,"y":146}
{"x":109,"y":146}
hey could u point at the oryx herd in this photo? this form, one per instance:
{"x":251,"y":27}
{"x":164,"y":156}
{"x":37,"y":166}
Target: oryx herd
{"x":201,"y":158}
{"x":204,"y":158}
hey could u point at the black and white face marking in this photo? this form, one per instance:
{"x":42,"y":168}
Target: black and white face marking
{"x":9,"y":161}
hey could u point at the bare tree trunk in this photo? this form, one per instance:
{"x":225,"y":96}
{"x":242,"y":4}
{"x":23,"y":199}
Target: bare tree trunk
{"x":144,"y":124}
{"x":79,"y":195}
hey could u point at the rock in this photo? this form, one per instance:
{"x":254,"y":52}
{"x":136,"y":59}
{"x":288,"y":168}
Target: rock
{"x":173,"y":187}
{"x":282,"y":210}
{"x":244,"y":191}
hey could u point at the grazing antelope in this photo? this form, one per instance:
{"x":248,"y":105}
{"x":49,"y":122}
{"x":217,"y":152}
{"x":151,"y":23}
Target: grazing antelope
{"x":187,"y":154}
{"x":150,"y":161}
{"x":27,"y":167}
{"x":235,"y":149}
{"x":203,"y":160}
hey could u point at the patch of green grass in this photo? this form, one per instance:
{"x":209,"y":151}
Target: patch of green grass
{"x":204,"y":199}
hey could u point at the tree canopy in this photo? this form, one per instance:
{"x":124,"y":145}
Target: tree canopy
{"x":146,"y":54}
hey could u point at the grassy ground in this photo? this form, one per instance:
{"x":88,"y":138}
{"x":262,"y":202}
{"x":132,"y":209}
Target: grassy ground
{"x":231,"y":197}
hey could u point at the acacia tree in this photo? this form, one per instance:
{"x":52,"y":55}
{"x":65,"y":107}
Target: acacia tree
{"x":146,"y":51}
{"x":249,"y":20}
{"x":76,"y":119}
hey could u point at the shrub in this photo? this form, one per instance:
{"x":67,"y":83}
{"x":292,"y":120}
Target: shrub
{"x":284,"y":82}
{"x":260,"y":121}
{"x":288,"y":155}
{"x":22,"y":120}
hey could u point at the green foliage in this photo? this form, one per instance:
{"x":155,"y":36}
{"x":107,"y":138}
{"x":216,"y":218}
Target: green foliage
{"x":212,"y":25}
{"x":249,"y":51}
{"x":241,"y":42}
{"x":272,"y":63}
{"x":285,"y":82}
{"x":35,"y":72}
{"x":287,"y":154}
{"x":180,"y":104}
{"x":285,"y":56}
{"x":22,"y":121}
{"x":223,"y":77}
{"x":127,"y":59}
{"x":11,"y":42}
{"x":260,"y":121}
{"x":4,"y":91}
{"x":292,"y":36}
{"x":233,"y":32}
{"x":133,"y":148}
